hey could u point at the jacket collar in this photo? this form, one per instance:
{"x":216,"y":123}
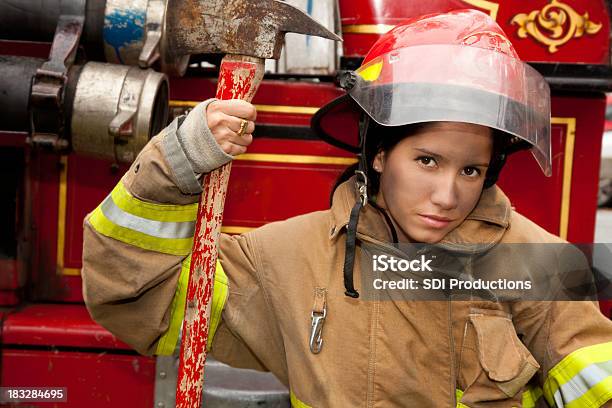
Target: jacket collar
{"x":485,"y":225}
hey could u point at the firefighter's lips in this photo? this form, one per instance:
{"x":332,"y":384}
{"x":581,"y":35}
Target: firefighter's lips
{"x":435,"y":221}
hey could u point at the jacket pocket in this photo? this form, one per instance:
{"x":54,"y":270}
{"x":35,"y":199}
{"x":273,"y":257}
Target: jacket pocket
{"x":504,"y":365}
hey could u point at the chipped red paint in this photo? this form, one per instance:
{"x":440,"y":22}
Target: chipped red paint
{"x":238,"y":79}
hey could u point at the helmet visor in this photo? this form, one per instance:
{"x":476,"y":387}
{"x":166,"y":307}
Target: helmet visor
{"x":458,"y":83}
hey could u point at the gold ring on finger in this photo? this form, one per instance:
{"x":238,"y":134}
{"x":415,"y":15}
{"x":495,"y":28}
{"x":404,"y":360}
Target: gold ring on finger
{"x":243,"y":126}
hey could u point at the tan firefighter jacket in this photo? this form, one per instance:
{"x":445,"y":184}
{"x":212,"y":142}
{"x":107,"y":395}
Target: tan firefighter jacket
{"x":272,"y":280}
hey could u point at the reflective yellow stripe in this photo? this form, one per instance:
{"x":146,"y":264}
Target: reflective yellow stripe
{"x":570,"y":382}
{"x":594,"y":397}
{"x":172,"y":246}
{"x":574,"y":362}
{"x":155,"y":227}
{"x":157,"y":212}
{"x":220,"y":294}
{"x":531,"y":396}
{"x":296,"y":403}
{"x":168,"y":342}
{"x":459,"y":395}
{"x":372,"y":71}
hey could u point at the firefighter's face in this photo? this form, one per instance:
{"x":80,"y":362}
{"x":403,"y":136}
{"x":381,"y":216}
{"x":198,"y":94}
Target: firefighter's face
{"x":432,"y":180}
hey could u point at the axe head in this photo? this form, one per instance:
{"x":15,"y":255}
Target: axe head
{"x":255,"y":28}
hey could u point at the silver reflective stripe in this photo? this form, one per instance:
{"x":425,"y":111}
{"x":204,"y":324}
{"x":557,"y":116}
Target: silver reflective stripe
{"x":174,"y":230}
{"x":579,"y":384}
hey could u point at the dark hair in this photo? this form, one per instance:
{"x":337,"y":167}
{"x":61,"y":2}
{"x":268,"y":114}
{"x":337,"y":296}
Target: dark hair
{"x":392,"y":136}
{"x":395,"y":134}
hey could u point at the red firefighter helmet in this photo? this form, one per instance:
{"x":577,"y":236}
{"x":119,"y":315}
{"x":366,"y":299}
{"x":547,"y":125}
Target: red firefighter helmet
{"x":457,"y":66}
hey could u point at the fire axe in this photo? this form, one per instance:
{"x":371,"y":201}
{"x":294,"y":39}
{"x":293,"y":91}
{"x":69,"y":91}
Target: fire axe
{"x":247,"y":32}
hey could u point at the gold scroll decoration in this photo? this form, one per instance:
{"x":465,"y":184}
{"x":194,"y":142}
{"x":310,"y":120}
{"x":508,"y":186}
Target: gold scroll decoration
{"x":555,"y":25}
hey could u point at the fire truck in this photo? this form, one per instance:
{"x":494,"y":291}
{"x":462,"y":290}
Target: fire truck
{"x":85,"y":83}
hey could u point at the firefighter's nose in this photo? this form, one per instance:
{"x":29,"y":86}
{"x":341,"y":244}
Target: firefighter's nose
{"x":444,"y":193}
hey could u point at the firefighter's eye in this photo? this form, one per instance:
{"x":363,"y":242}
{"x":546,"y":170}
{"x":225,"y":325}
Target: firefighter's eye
{"x":471,"y":172}
{"x":426,"y":161}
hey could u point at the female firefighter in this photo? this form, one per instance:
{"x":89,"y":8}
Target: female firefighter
{"x":436,"y":107}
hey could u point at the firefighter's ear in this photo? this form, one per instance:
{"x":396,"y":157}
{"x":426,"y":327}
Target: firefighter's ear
{"x":379,"y":162}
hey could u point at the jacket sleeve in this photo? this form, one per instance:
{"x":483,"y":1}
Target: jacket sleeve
{"x":572,"y":341}
{"x":136,"y":259}
{"x":135,"y":245}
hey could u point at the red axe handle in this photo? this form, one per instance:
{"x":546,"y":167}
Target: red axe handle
{"x":239,"y":78}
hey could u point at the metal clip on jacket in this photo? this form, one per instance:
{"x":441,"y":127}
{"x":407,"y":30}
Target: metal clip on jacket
{"x":362,"y":186}
{"x":316,"y":342}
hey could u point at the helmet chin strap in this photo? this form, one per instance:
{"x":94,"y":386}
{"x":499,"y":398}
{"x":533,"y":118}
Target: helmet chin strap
{"x":361,"y":186}
{"x":362,"y":189}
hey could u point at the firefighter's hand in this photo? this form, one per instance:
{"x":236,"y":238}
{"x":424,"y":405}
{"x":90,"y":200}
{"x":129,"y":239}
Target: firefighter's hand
{"x":232,"y":123}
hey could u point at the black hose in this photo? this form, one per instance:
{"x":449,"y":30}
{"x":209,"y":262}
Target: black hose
{"x":15,"y":85}
{"x":35,"y":20}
